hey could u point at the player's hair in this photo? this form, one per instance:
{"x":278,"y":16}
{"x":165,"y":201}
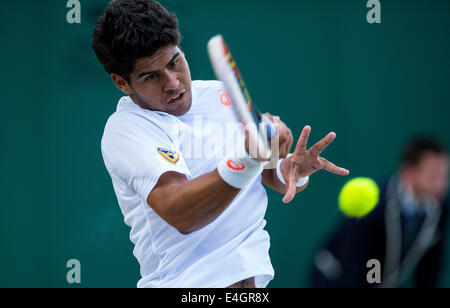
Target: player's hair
{"x":132,"y":29}
{"x":418,"y":147}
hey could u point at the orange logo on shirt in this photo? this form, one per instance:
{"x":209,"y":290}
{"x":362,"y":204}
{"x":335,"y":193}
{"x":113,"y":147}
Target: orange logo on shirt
{"x":223,"y":97}
{"x":236,"y":166}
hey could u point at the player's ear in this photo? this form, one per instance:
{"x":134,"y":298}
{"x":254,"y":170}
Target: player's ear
{"x":122,"y":84}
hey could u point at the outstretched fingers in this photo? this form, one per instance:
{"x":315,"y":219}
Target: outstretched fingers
{"x":322,"y":144}
{"x":290,"y":190}
{"x":330,"y":167}
{"x":303,"y":140}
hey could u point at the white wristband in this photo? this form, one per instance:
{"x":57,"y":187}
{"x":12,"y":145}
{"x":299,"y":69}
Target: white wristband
{"x":301,"y":181}
{"x":238,"y":172}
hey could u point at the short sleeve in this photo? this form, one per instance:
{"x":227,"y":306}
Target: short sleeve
{"x":138,"y":151}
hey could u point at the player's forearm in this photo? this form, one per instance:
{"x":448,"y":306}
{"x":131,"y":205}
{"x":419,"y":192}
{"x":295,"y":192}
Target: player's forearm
{"x":193,"y":205}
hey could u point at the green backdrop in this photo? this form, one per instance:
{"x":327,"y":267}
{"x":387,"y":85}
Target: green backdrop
{"x":314,"y":62}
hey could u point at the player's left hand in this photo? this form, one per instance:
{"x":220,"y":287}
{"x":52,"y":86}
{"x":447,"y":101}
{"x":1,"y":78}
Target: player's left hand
{"x":305,"y":162}
{"x":286,"y":139}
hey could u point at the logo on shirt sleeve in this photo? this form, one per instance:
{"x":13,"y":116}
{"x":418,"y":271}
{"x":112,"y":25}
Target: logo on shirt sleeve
{"x":170,"y":156}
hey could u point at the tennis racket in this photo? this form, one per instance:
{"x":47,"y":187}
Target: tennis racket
{"x":226,"y":70}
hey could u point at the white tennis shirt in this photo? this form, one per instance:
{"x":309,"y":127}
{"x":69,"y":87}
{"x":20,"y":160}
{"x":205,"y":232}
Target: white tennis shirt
{"x":138,"y":146}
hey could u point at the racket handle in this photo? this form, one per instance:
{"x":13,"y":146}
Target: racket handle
{"x":272,"y":130}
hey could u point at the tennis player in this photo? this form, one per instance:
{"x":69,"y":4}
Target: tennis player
{"x":196,"y":221}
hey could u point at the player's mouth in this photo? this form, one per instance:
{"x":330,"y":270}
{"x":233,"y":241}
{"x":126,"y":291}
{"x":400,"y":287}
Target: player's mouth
{"x":176,"y":98}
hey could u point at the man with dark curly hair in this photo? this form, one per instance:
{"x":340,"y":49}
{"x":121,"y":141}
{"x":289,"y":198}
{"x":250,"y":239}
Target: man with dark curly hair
{"x":196,"y":221}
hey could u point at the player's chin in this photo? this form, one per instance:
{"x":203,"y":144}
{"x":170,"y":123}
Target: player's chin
{"x":181,"y":105}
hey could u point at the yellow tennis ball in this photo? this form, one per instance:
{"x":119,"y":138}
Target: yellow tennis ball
{"x":359,"y":197}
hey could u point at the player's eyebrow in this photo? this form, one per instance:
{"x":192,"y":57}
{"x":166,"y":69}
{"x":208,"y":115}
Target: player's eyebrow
{"x":154,"y":72}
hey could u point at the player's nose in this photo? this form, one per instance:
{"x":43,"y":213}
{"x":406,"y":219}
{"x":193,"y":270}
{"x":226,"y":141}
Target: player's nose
{"x":171,"y":81}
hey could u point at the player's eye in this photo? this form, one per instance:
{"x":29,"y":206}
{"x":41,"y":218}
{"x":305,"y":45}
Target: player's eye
{"x":174,"y":63}
{"x":150,"y":77}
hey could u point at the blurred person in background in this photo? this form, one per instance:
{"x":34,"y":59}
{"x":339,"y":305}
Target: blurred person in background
{"x":405,"y":232}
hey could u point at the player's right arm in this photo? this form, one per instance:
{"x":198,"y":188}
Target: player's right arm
{"x":147,"y":158}
{"x":191,"y":205}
